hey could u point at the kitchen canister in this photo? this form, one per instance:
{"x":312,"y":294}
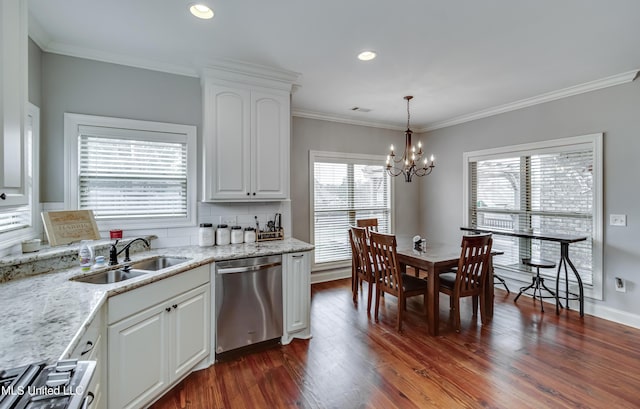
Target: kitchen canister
{"x":237,"y":236}
{"x":205,"y":235}
{"x":223,"y":235}
{"x":249,"y":235}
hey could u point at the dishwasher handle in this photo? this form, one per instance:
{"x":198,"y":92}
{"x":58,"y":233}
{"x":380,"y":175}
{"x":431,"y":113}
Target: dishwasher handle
{"x":248,"y":269}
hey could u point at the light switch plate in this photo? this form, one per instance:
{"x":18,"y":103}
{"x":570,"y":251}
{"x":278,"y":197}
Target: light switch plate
{"x":621,"y":286}
{"x":618,"y":219}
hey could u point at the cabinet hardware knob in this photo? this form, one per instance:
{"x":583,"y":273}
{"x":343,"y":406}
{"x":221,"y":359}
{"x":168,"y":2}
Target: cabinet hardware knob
{"x":254,"y":193}
{"x":247,"y":193}
{"x":89,"y":348}
{"x":168,"y":309}
{"x":175,"y":306}
{"x":4,"y":196}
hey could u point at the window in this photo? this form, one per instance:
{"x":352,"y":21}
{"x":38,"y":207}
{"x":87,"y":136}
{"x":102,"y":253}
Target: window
{"x":346,"y":187}
{"x":138,"y":172}
{"x":22,"y":222}
{"x":552,"y":187}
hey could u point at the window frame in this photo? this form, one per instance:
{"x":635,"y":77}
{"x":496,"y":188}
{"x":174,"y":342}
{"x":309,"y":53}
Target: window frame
{"x":13,"y":237}
{"x":595,"y":290}
{"x":337,"y":157}
{"x":183,"y":133}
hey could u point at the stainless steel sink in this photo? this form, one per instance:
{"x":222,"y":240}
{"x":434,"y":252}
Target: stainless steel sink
{"x":110,"y":276}
{"x":158,"y":263}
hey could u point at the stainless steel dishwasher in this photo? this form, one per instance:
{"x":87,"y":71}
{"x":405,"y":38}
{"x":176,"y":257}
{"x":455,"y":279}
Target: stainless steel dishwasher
{"x":248,"y":301}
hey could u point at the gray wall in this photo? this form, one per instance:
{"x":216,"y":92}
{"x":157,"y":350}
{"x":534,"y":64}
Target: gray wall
{"x":312,"y":134}
{"x":83,"y":86}
{"x":35,"y":74}
{"x":614,"y":111}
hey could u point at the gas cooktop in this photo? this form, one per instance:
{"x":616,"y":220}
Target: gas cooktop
{"x":62,"y":385}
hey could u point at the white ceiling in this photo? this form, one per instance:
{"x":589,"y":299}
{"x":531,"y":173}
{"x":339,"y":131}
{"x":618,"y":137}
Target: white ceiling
{"x":456,"y":57}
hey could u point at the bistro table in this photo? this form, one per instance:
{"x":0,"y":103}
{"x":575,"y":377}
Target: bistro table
{"x":564,"y":240}
{"x":435,"y":259}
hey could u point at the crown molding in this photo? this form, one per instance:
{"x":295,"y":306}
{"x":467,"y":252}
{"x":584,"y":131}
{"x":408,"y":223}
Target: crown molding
{"x":300,"y":113}
{"x":611,"y":81}
{"x":234,"y":70}
{"x":120,"y":59}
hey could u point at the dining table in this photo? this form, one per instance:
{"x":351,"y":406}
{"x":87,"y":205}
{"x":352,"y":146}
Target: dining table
{"x":435,"y":259}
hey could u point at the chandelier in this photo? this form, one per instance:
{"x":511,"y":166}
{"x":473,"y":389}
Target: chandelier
{"x":411,"y":162}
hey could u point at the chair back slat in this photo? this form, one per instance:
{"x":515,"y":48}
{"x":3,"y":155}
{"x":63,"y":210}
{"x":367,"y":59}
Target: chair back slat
{"x":369,"y":224}
{"x":473,"y":264}
{"x":355,"y":256}
{"x":385,"y":262}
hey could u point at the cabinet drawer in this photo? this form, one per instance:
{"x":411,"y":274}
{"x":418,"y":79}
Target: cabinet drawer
{"x":86,"y":346}
{"x":131,"y":302}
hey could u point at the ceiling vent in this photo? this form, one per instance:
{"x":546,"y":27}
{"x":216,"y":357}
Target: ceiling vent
{"x":359,"y":109}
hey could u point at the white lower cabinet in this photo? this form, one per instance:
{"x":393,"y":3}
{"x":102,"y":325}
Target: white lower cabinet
{"x":156,"y":335}
{"x":296,"y":282}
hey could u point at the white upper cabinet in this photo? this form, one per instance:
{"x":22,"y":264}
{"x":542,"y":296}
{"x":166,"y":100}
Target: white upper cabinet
{"x":246,"y":133}
{"x":13,"y":102}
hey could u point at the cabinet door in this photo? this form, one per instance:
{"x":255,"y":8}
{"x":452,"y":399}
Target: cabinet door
{"x":226,"y":143}
{"x":13,"y":99}
{"x":297,"y":283}
{"x":138,"y":358}
{"x":191,"y":326}
{"x":270,"y":134}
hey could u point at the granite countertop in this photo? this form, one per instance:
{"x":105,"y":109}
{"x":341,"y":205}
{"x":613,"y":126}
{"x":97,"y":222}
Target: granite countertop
{"x":45,"y":315}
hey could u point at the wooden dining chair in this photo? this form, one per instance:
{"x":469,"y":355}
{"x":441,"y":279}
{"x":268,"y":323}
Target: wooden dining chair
{"x":364,"y":270}
{"x":369,"y":224}
{"x":469,"y":278}
{"x":389,"y":279}
{"x":355,"y":266}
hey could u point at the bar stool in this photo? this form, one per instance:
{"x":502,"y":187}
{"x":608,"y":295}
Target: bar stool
{"x":537,"y":283}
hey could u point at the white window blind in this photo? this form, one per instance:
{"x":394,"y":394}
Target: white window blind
{"x":345,"y":190}
{"x":139,"y":172}
{"x":15,"y":218}
{"x":128,"y":178}
{"x":549,"y":192}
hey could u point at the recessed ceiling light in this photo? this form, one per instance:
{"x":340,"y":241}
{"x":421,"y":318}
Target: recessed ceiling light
{"x":367,"y":55}
{"x":201,"y":11}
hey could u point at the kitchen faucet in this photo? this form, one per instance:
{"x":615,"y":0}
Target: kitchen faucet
{"x":113,"y":251}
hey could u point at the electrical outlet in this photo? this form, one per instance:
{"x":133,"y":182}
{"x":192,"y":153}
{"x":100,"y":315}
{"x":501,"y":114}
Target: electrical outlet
{"x":621,"y":286}
{"x":228,"y":220}
{"x":618,"y":219}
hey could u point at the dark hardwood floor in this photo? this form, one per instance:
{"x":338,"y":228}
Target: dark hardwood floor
{"x":522,"y":359}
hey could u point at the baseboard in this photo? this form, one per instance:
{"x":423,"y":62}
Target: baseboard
{"x":330,"y":275}
{"x":612,"y":314}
